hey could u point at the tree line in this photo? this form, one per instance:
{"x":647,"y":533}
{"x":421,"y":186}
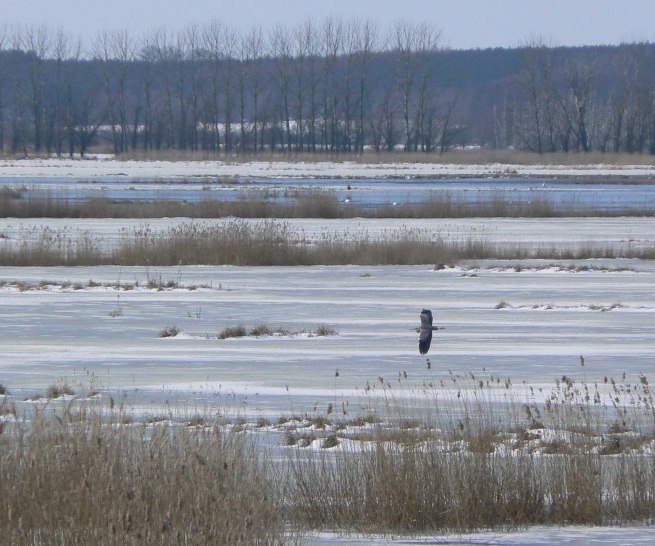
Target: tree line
{"x":329,"y":86}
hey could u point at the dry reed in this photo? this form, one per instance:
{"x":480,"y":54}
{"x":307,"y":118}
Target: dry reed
{"x":478,"y":460}
{"x":584,"y":456}
{"x":269,"y":242}
{"x":83,"y":481}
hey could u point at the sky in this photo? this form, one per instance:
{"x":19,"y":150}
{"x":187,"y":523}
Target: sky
{"x":465,"y":24}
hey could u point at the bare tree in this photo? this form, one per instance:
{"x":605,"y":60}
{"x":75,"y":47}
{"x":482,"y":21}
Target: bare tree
{"x":171,"y":53}
{"x":542,"y":127}
{"x":229,"y":49}
{"x":364,"y":40}
{"x":331,"y":48}
{"x":148,"y":58}
{"x":632,"y":101}
{"x":181,"y":67}
{"x":426,"y":120}
{"x":531,"y":130}
{"x":165,"y":50}
{"x":192,"y":43}
{"x":307,"y":35}
{"x":303,"y":49}
{"x":4,"y":32}
{"x":575,"y":103}
{"x":386,"y":123}
{"x":211,"y":41}
{"x":243,"y":59}
{"x":36,"y":40}
{"x":67,"y":55}
{"x":412,"y":45}
{"x":281,"y":44}
{"x":117,"y":50}
{"x":252,"y":54}
{"x":348,"y":88}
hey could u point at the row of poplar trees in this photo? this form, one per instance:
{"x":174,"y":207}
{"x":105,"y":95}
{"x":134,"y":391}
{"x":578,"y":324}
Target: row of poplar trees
{"x":330,"y":86}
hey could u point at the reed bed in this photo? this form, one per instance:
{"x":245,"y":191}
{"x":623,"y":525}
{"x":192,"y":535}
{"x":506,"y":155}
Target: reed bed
{"x":299,"y":204}
{"x":480,"y":459}
{"x":74,"y":478}
{"x":461,"y":455}
{"x":395,"y":488}
{"x":271,"y":242}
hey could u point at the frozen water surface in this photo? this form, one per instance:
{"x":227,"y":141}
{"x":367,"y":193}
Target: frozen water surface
{"x":362,"y":184}
{"x":549,"y":318}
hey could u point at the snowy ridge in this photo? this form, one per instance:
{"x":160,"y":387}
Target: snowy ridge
{"x":98,"y":168}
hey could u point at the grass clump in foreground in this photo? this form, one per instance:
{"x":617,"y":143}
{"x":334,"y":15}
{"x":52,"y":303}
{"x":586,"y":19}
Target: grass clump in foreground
{"x":88,"y":482}
{"x":55,"y":391}
{"x":232,"y":331}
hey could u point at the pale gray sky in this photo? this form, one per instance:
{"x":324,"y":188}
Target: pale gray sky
{"x":464,"y":23}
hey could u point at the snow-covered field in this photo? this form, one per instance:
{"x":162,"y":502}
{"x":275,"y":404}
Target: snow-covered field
{"x":549,"y":317}
{"x":537,"y":536}
{"x":94,"y":169}
{"x":528,"y":321}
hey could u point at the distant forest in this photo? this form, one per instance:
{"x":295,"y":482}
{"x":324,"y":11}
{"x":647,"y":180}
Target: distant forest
{"x":331,"y":86}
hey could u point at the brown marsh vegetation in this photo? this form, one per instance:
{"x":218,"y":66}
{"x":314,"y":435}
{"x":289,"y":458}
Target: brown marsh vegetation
{"x":584,"y":455}
{"x":466,"y":456}
{"x":83,"y":480}
{"x":264,"y":330}
{"x":271,"y":242}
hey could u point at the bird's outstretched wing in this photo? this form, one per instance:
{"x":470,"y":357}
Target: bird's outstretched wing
{"x":424,"y":341}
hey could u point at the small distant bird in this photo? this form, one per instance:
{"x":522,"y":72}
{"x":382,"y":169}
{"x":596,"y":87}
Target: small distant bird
{"x":425,"y":331}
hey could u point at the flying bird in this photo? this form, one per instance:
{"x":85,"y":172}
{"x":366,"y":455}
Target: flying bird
{"x":425,"y":331}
